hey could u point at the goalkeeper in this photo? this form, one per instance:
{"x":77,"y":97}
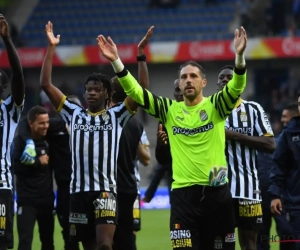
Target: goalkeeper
{"x":34,"y":182}
{"x":201,"y":202}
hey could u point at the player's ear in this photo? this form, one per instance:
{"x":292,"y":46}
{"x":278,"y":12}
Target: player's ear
{"x":204,"y":82}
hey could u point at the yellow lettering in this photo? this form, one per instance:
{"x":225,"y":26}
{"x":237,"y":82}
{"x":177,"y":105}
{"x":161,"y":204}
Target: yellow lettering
{"x":107,"y":213}
{"x":181,"y":243}
{"x":136,"y":213}
{"x":250,"y":210}
{"x":2,"y":222}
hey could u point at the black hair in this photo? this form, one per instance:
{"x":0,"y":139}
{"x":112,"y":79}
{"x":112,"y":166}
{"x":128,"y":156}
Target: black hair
{"x":98,"y":77}
{"x":119,"y":94}
{"x":34,"y":112}
{"x":228,"y":67}
{"x":292,"y":107}
{"x":194,"y":64}
{"x":3,"y":77}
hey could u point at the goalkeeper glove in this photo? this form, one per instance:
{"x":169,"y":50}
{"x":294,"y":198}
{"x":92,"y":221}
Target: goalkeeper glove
{"x":217,"y":177}
{"x":29,"y":153}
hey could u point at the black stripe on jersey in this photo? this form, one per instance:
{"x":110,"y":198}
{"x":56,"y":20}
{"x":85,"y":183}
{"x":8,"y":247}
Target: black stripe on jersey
{"x":110,"y":144}
{"x":75,"y":166}
{"x":101,"y":151}
{"x":91,"y":156}
{"x":259,"y":117}
{"x":70,"y":111}
{"x":115,"y":155}
{"x":146,"y":100}
{"x":5,"y":136}
{"x":230,"y":96}
{"x":81,"y":156}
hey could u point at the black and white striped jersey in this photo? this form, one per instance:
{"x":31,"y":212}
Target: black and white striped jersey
{"x":9,"y":117}
{"x":250,"y":119}
{"x":94,"y":143}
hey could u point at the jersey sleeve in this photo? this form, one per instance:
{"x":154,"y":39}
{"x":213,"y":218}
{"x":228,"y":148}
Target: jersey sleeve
{"x":144,"y":139}
{"x":225,"y":100}
{"x":13,"y":110}
{"x":122,"y":113}
{"x":262,"y":124}
{"x":66,"y":109}
{"x":152,"y":104}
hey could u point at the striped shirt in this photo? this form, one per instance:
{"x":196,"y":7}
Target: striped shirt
{"x":250,"y":119}
{"x":94,"y":143}
{"x":9,"y":117}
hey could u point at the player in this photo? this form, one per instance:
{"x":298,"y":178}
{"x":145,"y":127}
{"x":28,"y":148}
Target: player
{"x":94,"y":140}
{"x":10,"y":113}
{"x":143,"y":156}
{"x":200,"y":194}
{"x":247,"y":130}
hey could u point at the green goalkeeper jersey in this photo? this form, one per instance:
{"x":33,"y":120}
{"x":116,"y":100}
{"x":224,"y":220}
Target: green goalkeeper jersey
{"x":196,"y":133}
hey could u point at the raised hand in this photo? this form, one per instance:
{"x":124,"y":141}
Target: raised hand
{"x":108,"y":48}
{"x":144,"y":42}
{"x":4,"y":31}
{"x":52,"y":40}
{"x":240,"y":41}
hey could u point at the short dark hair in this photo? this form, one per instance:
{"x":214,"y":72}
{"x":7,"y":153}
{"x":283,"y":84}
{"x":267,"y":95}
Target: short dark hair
{"x":34,"y":112}
{"x":119,"y":94}
{"x":292,"y":107}
{"x":98,"y":77}
{"x":227,"y":67}
{"x":194,"y":64}
{"x":3,"y":77}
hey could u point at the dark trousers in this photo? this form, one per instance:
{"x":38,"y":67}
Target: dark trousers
{"x":124,"y":238}
{"x":283,"y":227}
{"x":63,"y":211}
{"x":26,"y":218}
{"x":159,"y":173}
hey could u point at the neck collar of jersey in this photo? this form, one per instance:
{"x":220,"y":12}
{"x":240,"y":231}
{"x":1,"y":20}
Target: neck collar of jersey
{"x":97,"y":113}
{"x":238,"y":103}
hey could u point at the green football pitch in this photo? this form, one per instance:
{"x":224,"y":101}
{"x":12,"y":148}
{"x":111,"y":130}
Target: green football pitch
{"x":154,"y":233}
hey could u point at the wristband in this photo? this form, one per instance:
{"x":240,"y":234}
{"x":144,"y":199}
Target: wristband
{"x":117,"y":65}
{"x":141,"y":58}
{"x":240,"y":62}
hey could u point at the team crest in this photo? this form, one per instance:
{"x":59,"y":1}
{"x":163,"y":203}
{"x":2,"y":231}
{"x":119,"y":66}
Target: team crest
{"x":203,"y":115}
{"x":243,"y":117}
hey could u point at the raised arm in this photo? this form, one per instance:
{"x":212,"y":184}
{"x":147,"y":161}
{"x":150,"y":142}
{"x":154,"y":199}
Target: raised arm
{"x":143,"y":76}
{"x":17,"y":81}
{"x":155,"y":106}
{"x":225,"y":100}
{"x":54,"y":94}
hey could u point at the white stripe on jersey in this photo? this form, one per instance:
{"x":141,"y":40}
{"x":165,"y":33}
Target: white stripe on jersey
{"x":94,"y":140}
{"x":9,"y":117}
{"x":250,"y":119}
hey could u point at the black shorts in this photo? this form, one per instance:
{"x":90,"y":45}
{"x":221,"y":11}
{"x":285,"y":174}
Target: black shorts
{"x":201,"y":217}
{"x":6,"y":218}
{"x":89,"y":209}
{"x":137,"y":214}
{"x":248,"y":214}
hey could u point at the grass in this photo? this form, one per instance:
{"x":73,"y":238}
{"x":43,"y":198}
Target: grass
{"x":154,"y":233}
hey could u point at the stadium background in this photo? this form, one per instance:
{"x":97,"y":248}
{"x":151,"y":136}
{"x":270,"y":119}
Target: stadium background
{"x":200,"y":30}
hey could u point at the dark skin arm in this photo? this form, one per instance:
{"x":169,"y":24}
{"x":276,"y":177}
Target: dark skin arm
{"x":143,"y":76}
{"x":262,"y":143}
{"x":54,"y":94}
{"x":17,"y":81}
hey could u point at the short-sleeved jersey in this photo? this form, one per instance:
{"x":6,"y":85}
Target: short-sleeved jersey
{"x":250,"y":119}
{"x":94,"y":143}
{"x":196,"y":133}
{"x":10,"y":115}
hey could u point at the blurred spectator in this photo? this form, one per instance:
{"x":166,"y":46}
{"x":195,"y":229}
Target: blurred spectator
{"x":164,"y":3}
{"x":15,"y":36}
